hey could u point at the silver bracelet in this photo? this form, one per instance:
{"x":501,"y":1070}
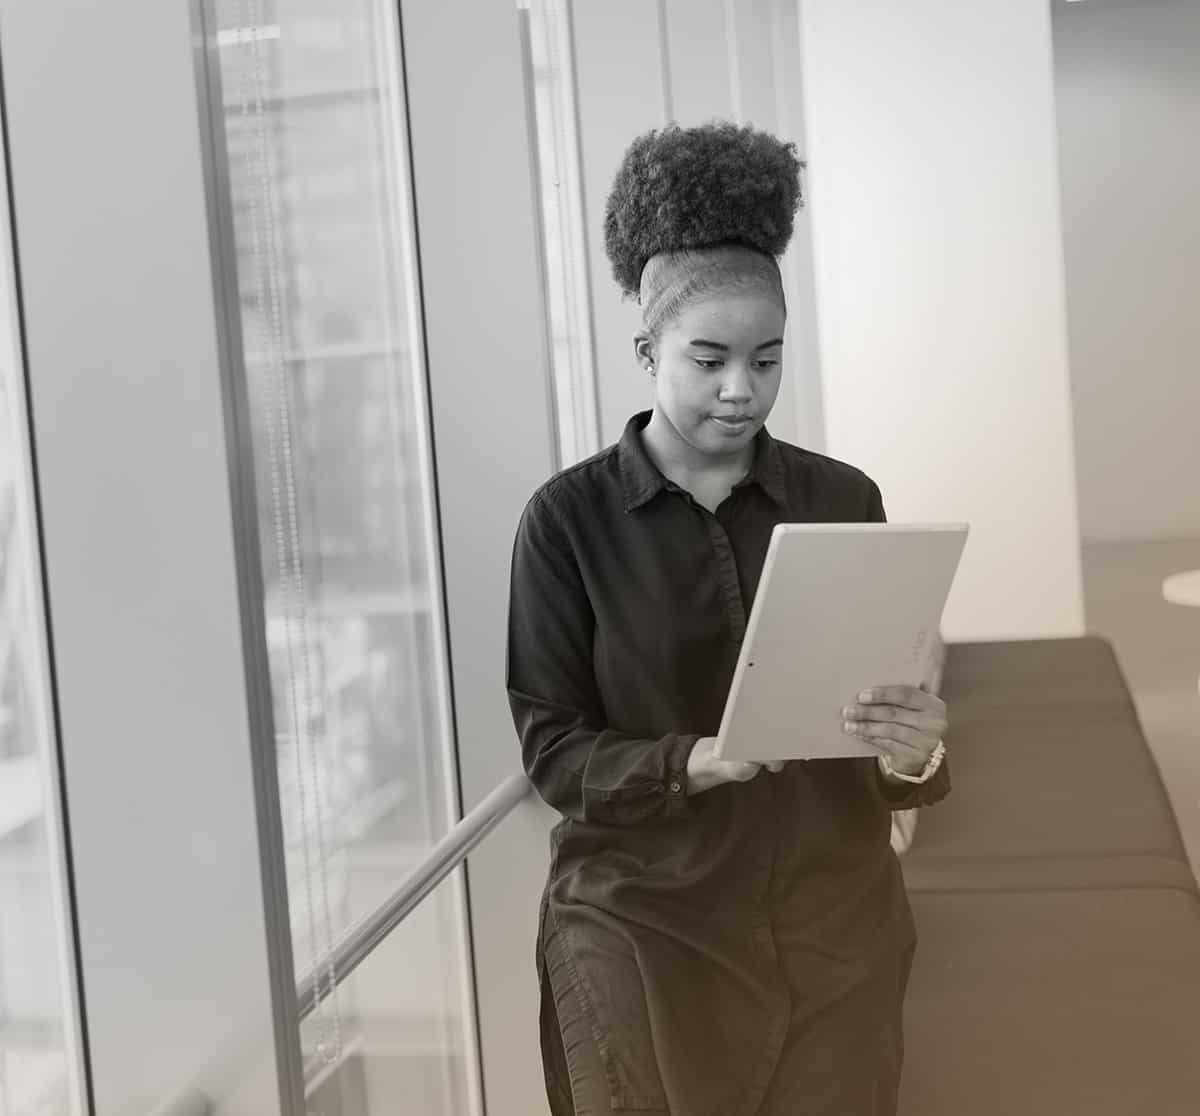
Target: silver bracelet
{"x":935,"y":761}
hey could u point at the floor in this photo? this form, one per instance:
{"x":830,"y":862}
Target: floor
{"x":1158,"y":646}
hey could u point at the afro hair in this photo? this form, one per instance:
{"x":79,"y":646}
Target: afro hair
{"x":689,"y":188}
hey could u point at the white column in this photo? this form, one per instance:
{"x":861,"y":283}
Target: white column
{"x":700,"y":54}
{"x":805,"y":425}
{"x":940,"y":288}
{"x":620,"y":77}
{"x":488,"y":374}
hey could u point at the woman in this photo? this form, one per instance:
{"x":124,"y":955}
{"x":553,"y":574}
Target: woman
{"x":716,"y":938}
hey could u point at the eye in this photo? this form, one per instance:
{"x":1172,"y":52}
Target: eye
{"x":769,"y":363}
{"x":703,"y":363}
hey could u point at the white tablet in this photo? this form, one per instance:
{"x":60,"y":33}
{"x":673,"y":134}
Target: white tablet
{"x":840,"y":607}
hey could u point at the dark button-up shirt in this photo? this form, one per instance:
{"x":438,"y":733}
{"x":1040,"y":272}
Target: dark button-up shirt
{"x":627,"y":610}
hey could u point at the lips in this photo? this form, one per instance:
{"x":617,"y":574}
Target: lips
{"x":731,"y":422}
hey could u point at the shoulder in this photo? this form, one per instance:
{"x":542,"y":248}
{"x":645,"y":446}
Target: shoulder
{"x":586,"y":487}
{"x":815,"y":473}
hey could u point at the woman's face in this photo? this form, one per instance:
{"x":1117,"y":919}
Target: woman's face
{"x":716,"y":372}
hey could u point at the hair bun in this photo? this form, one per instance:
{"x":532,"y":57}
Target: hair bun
{"x":690,"y":188}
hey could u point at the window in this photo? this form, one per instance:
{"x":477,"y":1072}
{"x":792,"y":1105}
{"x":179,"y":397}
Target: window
{"x":330,"y":316}
{"x":40,"y":1067}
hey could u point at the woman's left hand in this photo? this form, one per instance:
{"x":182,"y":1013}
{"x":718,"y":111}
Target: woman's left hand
{"x":906,"y":722}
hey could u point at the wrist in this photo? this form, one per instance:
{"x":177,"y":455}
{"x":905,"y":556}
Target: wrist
{"x":889,"y":774}
{"x":891,"y":769}
{"x":900,"y":774}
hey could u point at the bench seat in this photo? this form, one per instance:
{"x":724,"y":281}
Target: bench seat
{"x":1058,"y":969}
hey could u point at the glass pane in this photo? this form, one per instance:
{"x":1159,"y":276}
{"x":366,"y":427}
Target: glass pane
{"x":316,"y":147}
{"x":40,"y":1071}
{"x":414,"y":1047}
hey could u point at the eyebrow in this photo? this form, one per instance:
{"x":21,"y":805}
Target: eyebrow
{"x":700,"y":343}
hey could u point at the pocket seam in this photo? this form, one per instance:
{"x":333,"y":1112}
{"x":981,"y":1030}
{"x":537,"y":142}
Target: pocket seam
{"x":619,"y":1100}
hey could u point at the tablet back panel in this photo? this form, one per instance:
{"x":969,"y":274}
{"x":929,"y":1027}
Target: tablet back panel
{"x":839,"y":608}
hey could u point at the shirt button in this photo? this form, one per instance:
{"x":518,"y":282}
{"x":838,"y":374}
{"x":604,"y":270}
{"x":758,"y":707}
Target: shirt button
{"x":676,"y":787}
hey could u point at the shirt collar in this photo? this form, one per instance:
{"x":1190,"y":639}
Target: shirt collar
{"x":642,"y":480}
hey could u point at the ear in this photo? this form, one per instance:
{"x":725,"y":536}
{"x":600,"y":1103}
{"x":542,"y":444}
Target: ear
{"x":643,"y":348}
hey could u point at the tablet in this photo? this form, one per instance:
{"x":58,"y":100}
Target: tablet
{"x":840,"y":607}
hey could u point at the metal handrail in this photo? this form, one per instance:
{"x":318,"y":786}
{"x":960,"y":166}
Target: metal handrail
{"x":446,"y":855}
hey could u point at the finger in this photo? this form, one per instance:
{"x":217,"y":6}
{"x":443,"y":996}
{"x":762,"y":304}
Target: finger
{"x":908,"y":750}
{"x":742,"y":771}
{"x":901,"y":753}
{"x":880,"y":730}
{"x":776,"y":766}
{"x":908,"y":697}
{"x":927,"y":722}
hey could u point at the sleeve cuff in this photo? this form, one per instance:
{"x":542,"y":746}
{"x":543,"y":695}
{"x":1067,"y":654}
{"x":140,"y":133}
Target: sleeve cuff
{"x":675,"y":787}
{"x":908,"y":796}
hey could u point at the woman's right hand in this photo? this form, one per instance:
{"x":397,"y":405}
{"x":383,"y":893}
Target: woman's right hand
{"x":705,"y":770}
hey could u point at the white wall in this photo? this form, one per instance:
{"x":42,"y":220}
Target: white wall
{"x":940,"y":290}
{"x":1128,"y":83}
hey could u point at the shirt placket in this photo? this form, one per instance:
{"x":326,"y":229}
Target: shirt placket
{"x":735,"y":611}
{"x":727,"y":577}
{"x":759,"y":916}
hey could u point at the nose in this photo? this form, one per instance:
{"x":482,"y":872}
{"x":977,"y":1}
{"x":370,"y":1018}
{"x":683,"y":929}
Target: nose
{"x":736,"y":383}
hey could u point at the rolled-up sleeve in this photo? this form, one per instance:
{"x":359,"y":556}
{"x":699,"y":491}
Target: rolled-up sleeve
{"x":579,"y":765}
{"x":908,"y":796}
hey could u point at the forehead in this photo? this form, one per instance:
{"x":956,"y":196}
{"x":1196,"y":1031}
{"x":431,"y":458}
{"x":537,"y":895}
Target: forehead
{"x":752,"y":317}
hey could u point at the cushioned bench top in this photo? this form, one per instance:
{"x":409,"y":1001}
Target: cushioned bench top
{"x":1058,"y":963}
{"x":1053,"y":784}
{"x":1052,"y":1003}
